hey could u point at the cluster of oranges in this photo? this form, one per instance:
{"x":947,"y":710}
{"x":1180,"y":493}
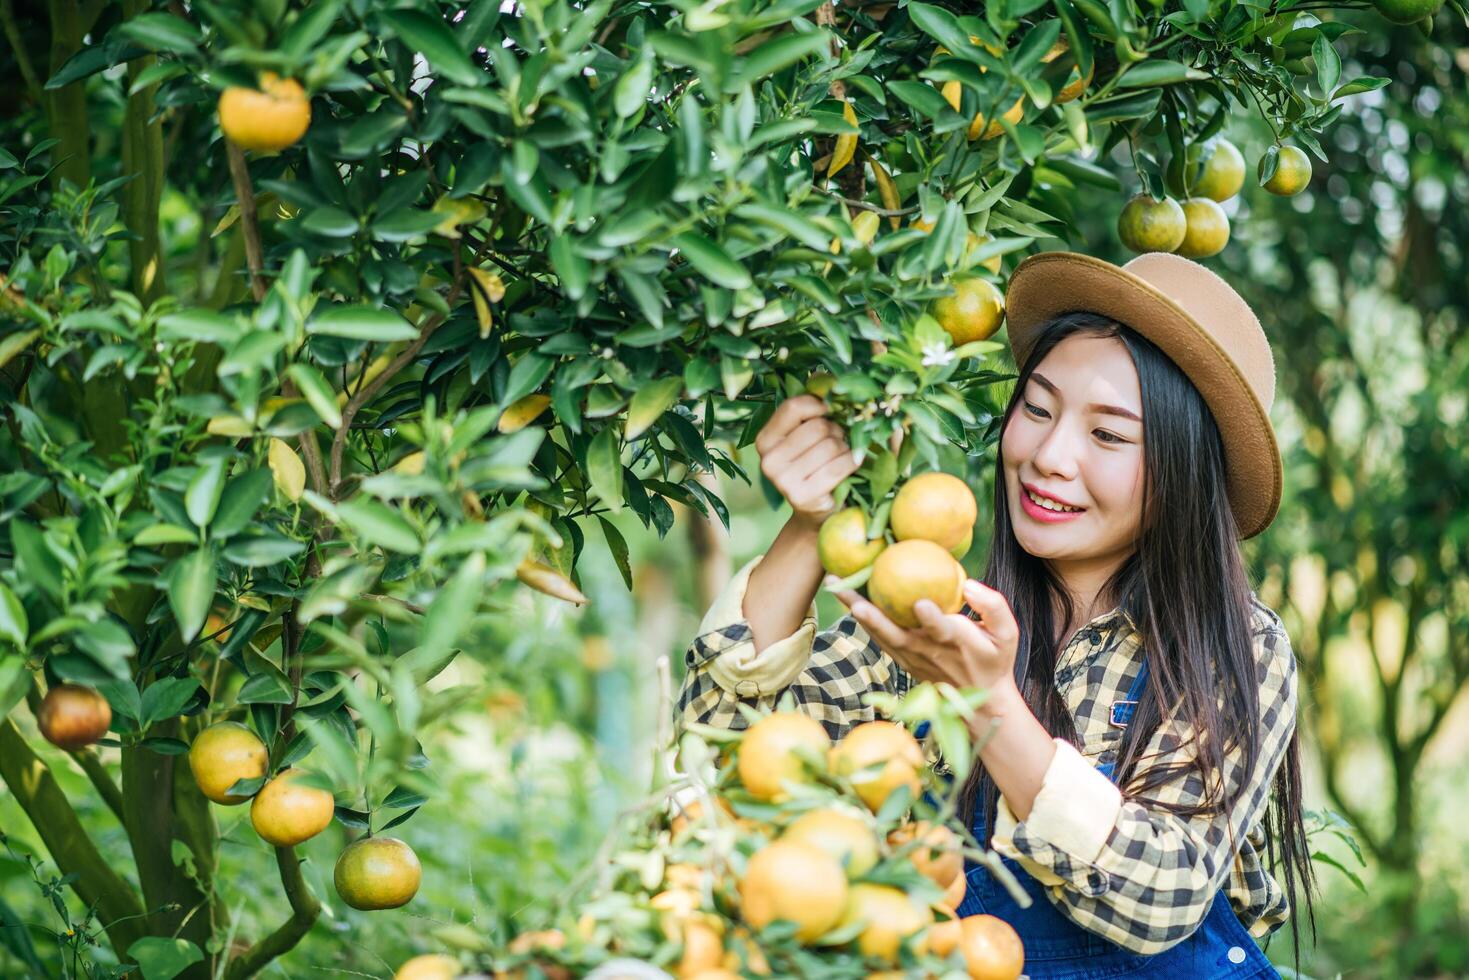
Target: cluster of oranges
{"x":931,"y":524}
{"x":1206,"y":175}
{"x":289,"y":809}
{"x":799,"y":848}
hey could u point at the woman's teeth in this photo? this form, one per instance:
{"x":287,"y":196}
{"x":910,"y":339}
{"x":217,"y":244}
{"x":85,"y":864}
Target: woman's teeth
{"x":1051,"y":504}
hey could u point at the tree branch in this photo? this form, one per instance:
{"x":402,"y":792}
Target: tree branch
{"x":97,"y":884}
{"x":249,"y":218}
{"x":305,"y":910}
{"x":18,"y":48}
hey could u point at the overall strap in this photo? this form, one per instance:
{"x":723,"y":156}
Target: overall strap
{"x":1122,"y":711}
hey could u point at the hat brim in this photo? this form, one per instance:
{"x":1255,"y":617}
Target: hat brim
{"x":1050,"y":284}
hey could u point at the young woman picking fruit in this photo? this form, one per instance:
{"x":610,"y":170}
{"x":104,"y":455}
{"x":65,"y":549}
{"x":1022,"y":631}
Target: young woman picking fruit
{"x":1143,"y":779}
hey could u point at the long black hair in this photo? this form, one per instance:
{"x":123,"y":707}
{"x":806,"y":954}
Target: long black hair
{"x":1191,"y":606}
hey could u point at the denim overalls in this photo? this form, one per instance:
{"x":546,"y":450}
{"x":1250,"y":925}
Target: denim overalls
{"x":1057,"y":947}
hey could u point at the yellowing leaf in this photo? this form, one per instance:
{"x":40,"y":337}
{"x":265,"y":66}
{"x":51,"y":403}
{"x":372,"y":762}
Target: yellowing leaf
{"x":522,"y":413}
{"x":456,"y":212}
{"x":228,"y":425}
{"x":286,"y":467}
{"x":410,"y":465}
{"x":378,"y":366}
{"x":487,"y":288}
{"x":865,"y":226}
{"x":888,"y":189}
{"x":543,"y":578}
{"x":846,"y":145}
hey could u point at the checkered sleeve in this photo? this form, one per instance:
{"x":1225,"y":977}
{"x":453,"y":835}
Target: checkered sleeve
{"x":1130,"y":870}
{"x":826,"y":673}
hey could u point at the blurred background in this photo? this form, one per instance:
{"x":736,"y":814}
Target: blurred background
{"x":1363,"y":288}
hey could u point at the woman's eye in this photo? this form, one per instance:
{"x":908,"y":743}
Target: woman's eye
{"x":1037,"y":411}
{"x":1106,"y":436}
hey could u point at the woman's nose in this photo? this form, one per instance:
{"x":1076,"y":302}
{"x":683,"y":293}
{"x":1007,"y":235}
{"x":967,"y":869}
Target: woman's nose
{"x":1056,"y":455}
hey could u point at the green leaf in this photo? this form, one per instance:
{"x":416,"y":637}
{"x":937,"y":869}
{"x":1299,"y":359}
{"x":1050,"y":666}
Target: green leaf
{"x":242,"y":497}
{"x":649,"y":402}
{"x":792,"y":223}
{"x":330,"y":222}
{"x":712,"y":261}
{"x":200,"y":325}
{"x":166,"y":697}
{"x":155,"y":534}
{"x":1359,"y":85}
{"x":15,"y":680}
{"x":34,"y":560}
{"x":161,"y":32}
{"x":380,"y":524}
{"x":264,"y":689}
{"x":617,"y":544}
{"x":571,"y":268}
{"x":108,"y":645}
{"x":432,"y":38}
{"x":633,"y":88}
{"x":191,"y":591}
{"x":942,"y":26}
{"x":1159,"y":72}
{"x":258,"y":552}
{"x":452,"y":610}
{"x":163,"y":959}
{"x":361,"y":322}
{"x":14,"y":625}
{"x":1328,"y":64}
{"x":317,"y":392}
{"x":778,"y":55}
{"x":604,"y":468}
{"x":924,"y":99}
{"x":202,"y":496}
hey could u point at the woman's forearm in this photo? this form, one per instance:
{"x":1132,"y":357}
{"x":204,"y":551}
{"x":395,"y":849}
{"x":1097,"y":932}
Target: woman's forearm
{"x":783,"y":585}
{"x":1019,"y":751}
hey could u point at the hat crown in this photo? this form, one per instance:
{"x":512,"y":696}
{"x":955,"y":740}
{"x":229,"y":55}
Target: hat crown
{"x":1218,"y":310}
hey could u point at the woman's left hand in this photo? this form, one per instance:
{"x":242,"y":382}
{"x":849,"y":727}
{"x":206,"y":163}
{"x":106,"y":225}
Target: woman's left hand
{"x":952,"y":647}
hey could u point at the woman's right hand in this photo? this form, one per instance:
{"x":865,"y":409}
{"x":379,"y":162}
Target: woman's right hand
{"x":805,"y":454}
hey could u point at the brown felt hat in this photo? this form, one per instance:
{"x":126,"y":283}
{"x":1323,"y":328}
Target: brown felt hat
{"x":1195,"y":318}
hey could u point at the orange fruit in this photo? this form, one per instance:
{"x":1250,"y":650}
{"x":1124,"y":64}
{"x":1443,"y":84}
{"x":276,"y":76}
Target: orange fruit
{"x":269,"y":118}
{"x":216,"y":626}
{"x":285,"y":812}
{"x":821,"y":382}
{"x":430,"y":966}
{"x":842,"y":543}
{"x":938,"y":856}
{"x":844,"y":835}
{"x":1223,"y":172}
{"x":974,"y":241}
{"x":536,"y":939}
{"x":937,"y":507}
{"x":688,"y":814}
{"x":1148,"y":225}
{"x":954,"y":894}
{"x":991,"y":948}
{"x":222,"y":755}
{"x":703,"y":947}
{"x":890,"y":917}
{"x":1292,"y":174}
{"x":1207,"y":230}
{"x":878,"y":757}
{"x":973,"y":311}
{"x":796,"y":882}
{"x":772,"y":752}
{"x":377,"y":873}
{"x":72,"y":716}
{"x":912,"y":570}
{"x":943,"y":937}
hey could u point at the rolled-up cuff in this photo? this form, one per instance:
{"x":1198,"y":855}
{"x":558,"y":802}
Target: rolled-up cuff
{"x":727,"y":644}
{"x":1077,"y":806}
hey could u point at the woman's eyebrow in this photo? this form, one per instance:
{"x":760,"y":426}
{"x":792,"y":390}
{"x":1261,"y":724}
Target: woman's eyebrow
{"x":1117,"y":410}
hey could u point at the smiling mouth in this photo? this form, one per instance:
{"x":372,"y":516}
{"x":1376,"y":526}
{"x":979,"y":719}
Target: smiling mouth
{"x":1048,"y":504}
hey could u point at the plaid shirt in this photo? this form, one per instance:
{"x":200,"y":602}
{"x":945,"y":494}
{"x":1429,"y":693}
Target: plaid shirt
{"x":1117,"y":865}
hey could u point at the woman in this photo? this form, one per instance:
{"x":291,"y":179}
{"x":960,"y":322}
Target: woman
{"x":1143,"y":775}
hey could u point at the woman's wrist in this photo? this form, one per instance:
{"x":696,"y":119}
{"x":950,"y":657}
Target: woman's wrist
{"x":1004,"y":699}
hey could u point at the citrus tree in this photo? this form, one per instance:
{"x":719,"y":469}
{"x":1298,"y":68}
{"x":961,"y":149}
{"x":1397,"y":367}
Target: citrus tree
{"x":329,"y":327}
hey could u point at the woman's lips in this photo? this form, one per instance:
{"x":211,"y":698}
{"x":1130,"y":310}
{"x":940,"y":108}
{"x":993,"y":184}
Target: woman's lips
{"x":1036,"y":512}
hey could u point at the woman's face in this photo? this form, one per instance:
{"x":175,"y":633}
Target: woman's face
{"x":1075,"y":439}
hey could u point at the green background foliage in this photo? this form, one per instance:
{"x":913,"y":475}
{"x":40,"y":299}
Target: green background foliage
{"x":272,"y":388}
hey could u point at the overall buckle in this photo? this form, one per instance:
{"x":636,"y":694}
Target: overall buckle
{"x":1121,"y":713}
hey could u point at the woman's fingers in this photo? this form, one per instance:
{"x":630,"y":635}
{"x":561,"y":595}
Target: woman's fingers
{"x":831,"y":471}
{"x":786,"y":417}
{"x":994,"y":612}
